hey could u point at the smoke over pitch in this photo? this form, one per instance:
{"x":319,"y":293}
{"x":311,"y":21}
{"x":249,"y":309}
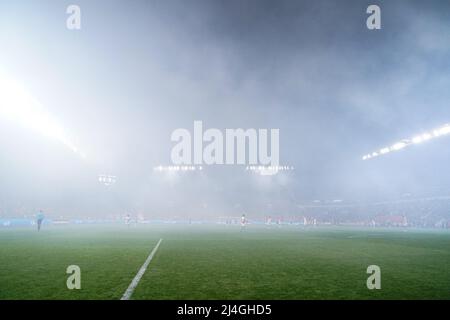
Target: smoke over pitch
{"x":136,"y":72}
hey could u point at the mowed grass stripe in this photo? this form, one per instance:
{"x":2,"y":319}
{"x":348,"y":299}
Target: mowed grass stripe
{"x":33,"y":266}
{"x":293,"y":263}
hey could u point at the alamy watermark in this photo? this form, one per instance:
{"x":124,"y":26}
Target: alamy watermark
{"x":73,"y":21}
{"x":74,"y":280}
{"x":233,"y":146}
{"x":374,"y":280}
{"x":373,"y":22}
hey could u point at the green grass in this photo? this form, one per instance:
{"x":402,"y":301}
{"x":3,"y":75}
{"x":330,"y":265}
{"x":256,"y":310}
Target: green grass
{"x":219,"y":262}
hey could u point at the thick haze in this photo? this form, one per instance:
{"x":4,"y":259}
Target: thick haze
{"x":137,"y":70}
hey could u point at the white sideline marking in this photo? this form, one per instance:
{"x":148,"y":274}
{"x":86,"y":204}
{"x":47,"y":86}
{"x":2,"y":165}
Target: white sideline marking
{"x":137,"y":278}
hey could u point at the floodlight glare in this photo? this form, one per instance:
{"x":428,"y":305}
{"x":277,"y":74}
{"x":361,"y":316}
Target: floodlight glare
{"x":421,"y":138}
{"x":17,"y":105}
{"x":268,"y":170}
{"x":444,"y":130}
{"x":398,"y":146}
{"x":162,"y":168}
{"x":417,"y":139}
{"x":107,"y":180}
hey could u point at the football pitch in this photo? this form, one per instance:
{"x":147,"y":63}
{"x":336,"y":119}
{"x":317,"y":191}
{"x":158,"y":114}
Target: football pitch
{"x":221,"y":262}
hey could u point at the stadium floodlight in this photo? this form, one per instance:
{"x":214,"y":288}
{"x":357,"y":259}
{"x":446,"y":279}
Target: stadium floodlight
{"x":399,"y":145}
{"x":417,"y":139}
{"x":106,"y":179}
{"x":268,"y":170}
{"x":444,"y":130}
{"x":18,"y":105}
{"x":183,"y":168}
{"x":421,"y":138}
{"x":426,"y":136}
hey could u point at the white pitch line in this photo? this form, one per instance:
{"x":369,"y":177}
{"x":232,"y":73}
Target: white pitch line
{"x":137,"y":278}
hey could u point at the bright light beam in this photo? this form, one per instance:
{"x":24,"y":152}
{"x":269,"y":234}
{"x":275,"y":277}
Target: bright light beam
{"x":417,"y":139}
{"x":17,"y":105}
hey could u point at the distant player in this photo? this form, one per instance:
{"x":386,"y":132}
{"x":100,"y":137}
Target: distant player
{"x":243,"y":222}
{"x":39,"y":219}
{"x":128,"y":219}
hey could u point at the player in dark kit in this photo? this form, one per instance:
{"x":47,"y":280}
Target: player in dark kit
{"x":39,"y":219}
